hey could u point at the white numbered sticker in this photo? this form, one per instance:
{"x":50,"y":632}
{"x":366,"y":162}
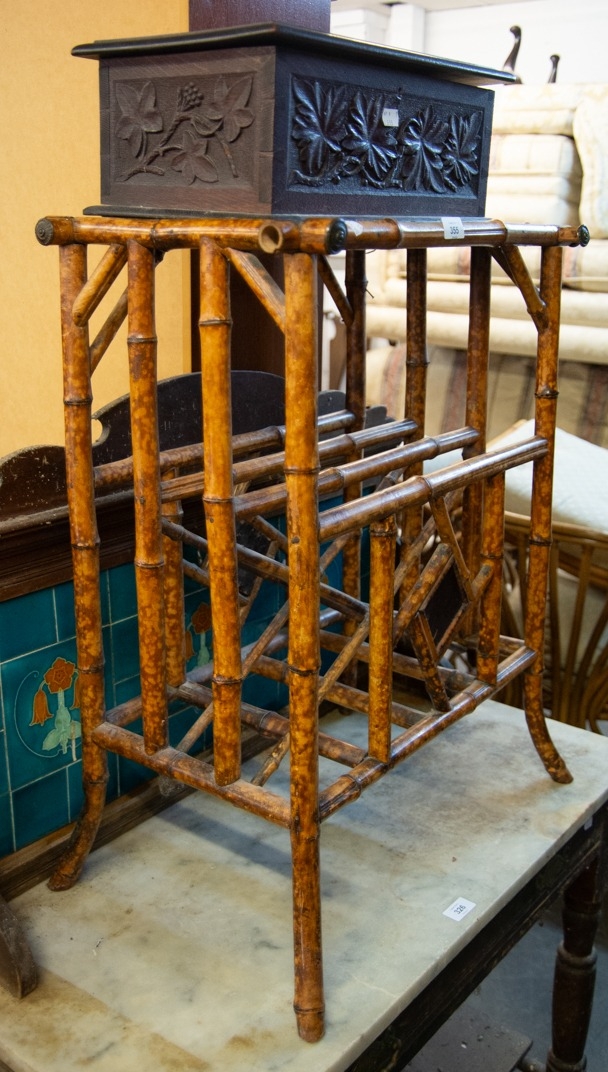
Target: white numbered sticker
{"x":390,"y":117}
{"x":452,"y":227}
{"x":459,"y":908}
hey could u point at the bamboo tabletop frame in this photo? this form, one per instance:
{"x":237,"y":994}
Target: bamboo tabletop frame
{"x":434,"y":588}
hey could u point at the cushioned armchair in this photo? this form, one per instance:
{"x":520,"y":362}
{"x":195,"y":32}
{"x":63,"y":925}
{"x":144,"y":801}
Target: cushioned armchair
{"x":576,"y":686}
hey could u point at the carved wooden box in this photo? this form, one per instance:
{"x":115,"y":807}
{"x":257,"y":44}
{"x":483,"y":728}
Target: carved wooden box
{"x":268,"y":119}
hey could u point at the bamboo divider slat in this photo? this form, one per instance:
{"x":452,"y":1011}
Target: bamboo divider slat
{"x":512,"y":262}
{"x":98,"y":284}
{"x":149,"y":562}
{"x":355,"y":288}
{"x":492,"y":547}
{"x":215,"y":326}
{"x":335,"y":291}
{"x":271,"y":465}
{"x":350,"y":786}
{"x":478,"y":349}
{"x":261,"y":283}
{"x":332,"y":481}
{"x":107,"y":333}
{"x":174,"y":599}
{"x":436,"y":598}
{"x":419,"y":490}
{"x":193,"y":772}
{"x":416,"y":362}
{"x":120,"y":472}
{"x":383,"y":550}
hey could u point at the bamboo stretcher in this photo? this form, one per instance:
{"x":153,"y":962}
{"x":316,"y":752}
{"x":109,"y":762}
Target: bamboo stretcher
{"x":435,"y":541}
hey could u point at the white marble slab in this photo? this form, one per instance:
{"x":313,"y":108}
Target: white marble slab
{"x":174,"y":950}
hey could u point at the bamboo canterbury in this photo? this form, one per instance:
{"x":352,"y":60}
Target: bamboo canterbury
{"x":416,"y":553}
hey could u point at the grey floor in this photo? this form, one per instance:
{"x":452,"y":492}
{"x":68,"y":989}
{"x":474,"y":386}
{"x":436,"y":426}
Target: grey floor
{"x":517,"y":994}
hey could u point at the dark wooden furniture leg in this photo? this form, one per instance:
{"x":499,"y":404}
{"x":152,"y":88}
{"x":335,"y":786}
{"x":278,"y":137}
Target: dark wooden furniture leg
{"x":575,"y":969}
{"x":18,"y":972}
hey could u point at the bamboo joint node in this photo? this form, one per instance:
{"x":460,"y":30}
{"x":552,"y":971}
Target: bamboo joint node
{"x":135,"y":339}
{"x":96,"y":668}
{"x":304,"y":471}
{"x":300,"y":672}
{"x":539,"y":541}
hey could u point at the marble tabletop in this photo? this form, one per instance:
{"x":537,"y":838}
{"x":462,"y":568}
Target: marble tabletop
{"x":174,"y":950}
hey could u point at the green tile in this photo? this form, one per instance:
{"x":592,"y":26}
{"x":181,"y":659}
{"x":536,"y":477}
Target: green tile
{"x":131,"y":775}
{"x":7,"y":843}
{"x":40,"y":808}
{"x":126,"y":690}
{"x":122,"y":596}
{"x":4,"y":786}
{"x":124,"y":650}
{"x":181,"y":721}
{"x":64,"y":608}
{"x":42,"y":734}
{"x":26,"y":624}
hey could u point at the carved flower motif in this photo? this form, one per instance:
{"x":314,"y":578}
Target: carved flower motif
{"x":140,"y":114}
{"x":192,"y":160}
{"x":59,"y":675}
{"x":368,"y":139}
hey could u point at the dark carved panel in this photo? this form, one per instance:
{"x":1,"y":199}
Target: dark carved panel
{"x":185,"y":129}
{"x":290,"y":122}
{"x":386,"y":141}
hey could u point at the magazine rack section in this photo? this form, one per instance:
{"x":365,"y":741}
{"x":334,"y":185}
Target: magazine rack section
{"x":434,"y":589}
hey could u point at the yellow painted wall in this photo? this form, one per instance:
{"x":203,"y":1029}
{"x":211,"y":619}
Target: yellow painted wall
{"x":49,"y":165}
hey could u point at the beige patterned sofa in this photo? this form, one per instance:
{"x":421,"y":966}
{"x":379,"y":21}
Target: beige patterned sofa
{"x":548,"y":164}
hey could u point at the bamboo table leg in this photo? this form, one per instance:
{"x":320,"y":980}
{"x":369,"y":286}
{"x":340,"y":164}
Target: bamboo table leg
{"x":85,"y":556}
{"x":540,"y":520}
{"x":301,"y":477}
{"x":215,"y":327}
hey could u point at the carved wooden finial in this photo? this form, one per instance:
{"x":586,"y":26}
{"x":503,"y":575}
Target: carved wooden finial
{"x":509,"y":64}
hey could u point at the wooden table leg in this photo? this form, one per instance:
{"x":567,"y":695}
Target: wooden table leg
{"x":18,"y":972}
{"x":575,"y":970}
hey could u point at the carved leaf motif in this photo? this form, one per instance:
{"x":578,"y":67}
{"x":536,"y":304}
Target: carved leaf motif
{"x":205,"y":125}
{"x":461,"y":150}
{"x":230,"y":104}
{"x":192,"y":160}
{"x":424,"y":140}
{"x":373,"y":143}
{"x":139,"y":114}
{"x":319,"y":124}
